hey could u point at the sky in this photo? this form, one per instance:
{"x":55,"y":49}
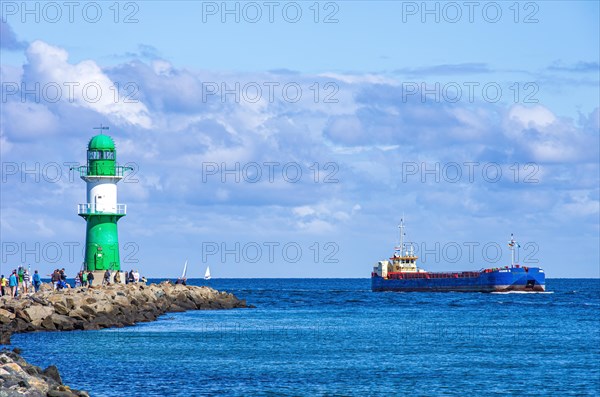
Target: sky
{"x":288,"y":139}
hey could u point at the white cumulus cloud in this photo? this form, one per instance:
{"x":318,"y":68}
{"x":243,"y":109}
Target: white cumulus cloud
{"x":83,"y":84}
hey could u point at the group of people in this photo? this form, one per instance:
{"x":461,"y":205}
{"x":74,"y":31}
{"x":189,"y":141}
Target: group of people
{"x":130,"y":277}
{"x":84,"y":279}
{"x":59,"y":279}
{"x":20,"y":281}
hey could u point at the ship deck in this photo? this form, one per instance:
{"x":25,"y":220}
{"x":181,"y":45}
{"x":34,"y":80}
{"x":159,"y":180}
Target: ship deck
{"x":430,"y":275}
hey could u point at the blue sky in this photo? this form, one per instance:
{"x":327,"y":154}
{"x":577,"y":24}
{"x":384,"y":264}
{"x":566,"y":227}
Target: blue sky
{"x":473,"y":123}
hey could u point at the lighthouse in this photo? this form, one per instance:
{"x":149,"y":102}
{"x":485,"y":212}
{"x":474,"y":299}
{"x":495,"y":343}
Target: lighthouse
{"x":101,"y":211}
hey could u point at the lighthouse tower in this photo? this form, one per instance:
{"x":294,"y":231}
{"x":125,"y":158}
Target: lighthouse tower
{"x":101,"y":210}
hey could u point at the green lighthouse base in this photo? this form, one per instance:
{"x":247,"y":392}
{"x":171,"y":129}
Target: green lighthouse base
{"x":102,"y":243}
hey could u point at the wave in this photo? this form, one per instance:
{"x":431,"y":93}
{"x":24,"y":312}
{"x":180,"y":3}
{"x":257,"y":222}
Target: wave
{"x":522,"y":292}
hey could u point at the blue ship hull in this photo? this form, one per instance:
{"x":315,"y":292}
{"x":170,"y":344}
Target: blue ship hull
{"x":498,"y":280}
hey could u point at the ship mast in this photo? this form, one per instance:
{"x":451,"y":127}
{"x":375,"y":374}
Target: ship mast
{"x":511,"y":244}
{"x":401,"y":227}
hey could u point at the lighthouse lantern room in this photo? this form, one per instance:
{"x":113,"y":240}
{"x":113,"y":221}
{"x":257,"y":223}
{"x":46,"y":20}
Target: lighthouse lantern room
{"x":101,"y":211}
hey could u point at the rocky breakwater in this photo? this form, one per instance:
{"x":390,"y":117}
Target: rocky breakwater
{"x":18,"y":378}
{"x":104,"y":307}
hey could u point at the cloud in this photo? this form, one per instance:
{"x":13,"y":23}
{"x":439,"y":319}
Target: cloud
{"x":29,"y":120}
{"x":366,"y":140}
{"x":447,"y":69}
{"x":92,"y":89}
{"x":360,"y":78}
{"x":284,"y":71}
{"x":579,"y":67}
{"x":325,"y":216}
{"x":8,"y":38}
{"x":534,"y":116}
{"x":144,"y":51}
{"x":549,"y":139}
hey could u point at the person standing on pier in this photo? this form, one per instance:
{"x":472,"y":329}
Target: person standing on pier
{"x":13,"y":283}
{"x":37,"y":281}
{"x":26,"y":281}
{"x":55,"y":277}
{"x":20,"y":274}
{"x":3,"y":285}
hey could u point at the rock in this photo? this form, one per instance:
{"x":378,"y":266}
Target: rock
{"x":59,"y":393}
{"x":4,"y":338}
{"x":6,"y":316}
{"x":36,"y":314}
{"x":48,"y":324}
{"x":79,"y":314}
{"x":61,"y":309}
{"x":19,"y":378}
{"x":121,"y":301}
{"x":62,"y":322}
{"x":38,"y":300}
{"x":103,"y":307}
{"x":104,"y":321}
{"x":57,"y":296}
{"x":70,"y":302}
{"x":90,"y":326}
{"x":20,"y":325}
{"x":88,"y":309}
{"x":52,"y":373}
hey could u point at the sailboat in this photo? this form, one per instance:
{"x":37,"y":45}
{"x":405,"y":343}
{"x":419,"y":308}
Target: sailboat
{"x":207,"y":274}
{"x":184,"y":270}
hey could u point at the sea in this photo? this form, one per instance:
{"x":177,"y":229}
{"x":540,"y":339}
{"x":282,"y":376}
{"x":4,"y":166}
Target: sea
{"x":334,"y":337}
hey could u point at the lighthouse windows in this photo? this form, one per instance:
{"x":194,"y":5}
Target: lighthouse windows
{"x":101,"y":155}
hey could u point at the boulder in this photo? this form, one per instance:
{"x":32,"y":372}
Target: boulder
{"x":70,"y":301}
{"x":52,"y":373}
{"x":48,"y":324}
{"x":61,"y":309}
{"x":36,"y":314}
{"x":120,"y":301}
{"x":6,"y":316}
{"x":103,"y":307}
{"x":104,"y":321}
{"x":57,"y":296}
{"x":63,"y":323}
{"x":89,"y":310}
{"x":79,"y":314}
{"x":19,"y":378}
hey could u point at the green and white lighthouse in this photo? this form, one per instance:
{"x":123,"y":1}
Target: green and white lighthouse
{"x":101,"y":211}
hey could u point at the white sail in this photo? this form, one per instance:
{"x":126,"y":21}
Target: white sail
{"x":207,"y":274}
{"x":184,"y":270}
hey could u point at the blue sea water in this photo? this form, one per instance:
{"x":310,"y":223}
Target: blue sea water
{"x":334,"y":337}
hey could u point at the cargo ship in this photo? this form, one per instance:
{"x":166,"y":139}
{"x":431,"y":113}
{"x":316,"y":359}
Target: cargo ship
{"x":401,"y":273}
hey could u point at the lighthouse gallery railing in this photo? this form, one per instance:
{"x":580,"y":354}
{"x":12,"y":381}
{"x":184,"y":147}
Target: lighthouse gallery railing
{"x":90,"y":209}
{"x":119,"y":170}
